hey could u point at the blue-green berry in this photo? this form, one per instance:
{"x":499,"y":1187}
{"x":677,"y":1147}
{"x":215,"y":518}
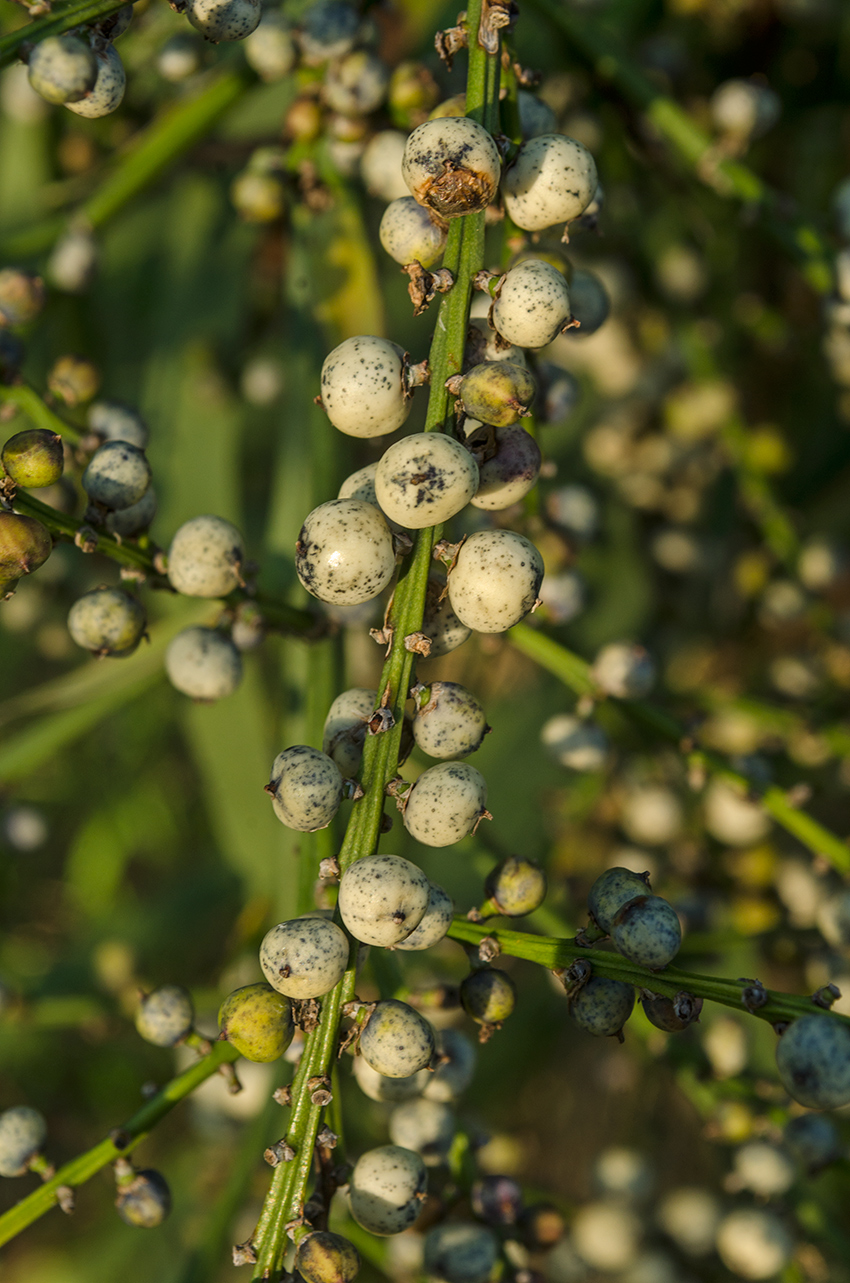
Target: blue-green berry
{"x":647,"y":931}
{"x":145,"y":1200}
{"x":22,"y":1133}
{"x":602,"y":1006}
{"x":612,"y":891}
{"x":813,"y":1059}
{"x":458,"y":1252}
{"x":488,"y":995}
{"x":813,"y":1140}
{"x":117,"y":476}
{"x":165,"y":1016}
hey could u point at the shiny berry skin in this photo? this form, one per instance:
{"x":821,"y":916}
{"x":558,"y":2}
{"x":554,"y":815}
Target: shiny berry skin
{"x":382,"y":898}
{"x":205,"y":557}
{"x":344,"y":554}
{"x":165,"y":1016}
{"x":602,"y":1006}
{"x":323,"y":1257}
{"x":62,"y":69}
{"x":532,"y":305}
{"x":460,"y":1253}
{"x":813,"y":1059}
{"x":396,"y":1041}
{"x":424,"y":479}
{"x":145,"y":1200}
{"x":257,"y":1021}
{"x":117,"y":476}
{"x":306,"y":788}
{"x":452,"y":165}
{"x":488,"y":995}
{"x":304,"y":957}
{"x":219,"y":20}
{"x":497,"y":392}
{"x":445,"y":804}
{"x":551,"y":180}
{"x":107,"y":621}
{"x":33,"y":458}
{"x":22,"y":1133}
{"x":387,"y":1189}
{"x":611,"y":891}
{"x":647,"y":931}
{"x":362,"y":385}
{"x":495,"y":580}
{"x":409,"y":232}
{"x":25,"y":544}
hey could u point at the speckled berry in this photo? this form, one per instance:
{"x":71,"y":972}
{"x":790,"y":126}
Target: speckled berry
{"x":270,"y":48}
{"x":612,"y":891}
{"x":344,"y":554}
{"x":577,"y":744}
{"x":496,"y":1200}
{"x":448,"y":722}
{"x":362,"y":386}
{"x":361,"y":485}
{"x":753,"y":1244}
{"x":116,"y":422}
{"x":25,"y":544}
{"x":131,"y":521}
{"x":445,"y":804}
{"x":452,"y":165}
{"x":387,"y":1189}
{"x":488,"y":995}
{"x":117,"y":476}
{"x":145,"y":1200}
{"x":434,"y":923}
{"x":33,"y":458}
{"x":516,"y":886}
{"x":357,"y":84}
{"x":165,"y":1016}
{"x":510,"y":473}
{"x":589,"y":302}
{"x":73,"y":379}
{"x":203,"y":663}
{"x":602,"y":1006}
{"x":425,"y":1126}
{"x":396,"y":1040}
{"x":410,"y":232}
{"x":306,"y":788}
{"x":108,"y":90}
{"x":107,"y":621}
{"x":460,"y":1253}
{"x":22,"y":296}
{"x":624,"y":670}
{"x":440,"y":624}
{"x":813,"y":1059}
{"x":219,"y":20}
{"x":304,"y":957}
{"x":495,"y":580}
{"x":323,"y":1257}
{"x":328,"y":30}
{"x":62,"y":69}
{"x":814,"y":1141}
{"x":344,"y":731}
{"x":551,"y":180}
{"x":497,"y":392}
{"x":455,"y":1060}
{"x":647,"y":931}
{"x":424,"y":479}
{"x":22,"y":1133}
{"x":205,"y":558}
{"x":257,"y":1021}
{"x":388,"y":1090}
{"x":382,"y":898}
{"x":533,"y":304}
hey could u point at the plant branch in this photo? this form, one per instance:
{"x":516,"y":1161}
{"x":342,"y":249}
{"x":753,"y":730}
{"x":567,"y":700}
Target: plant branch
{"x":63,"y":18}
{"x":27,"y":400}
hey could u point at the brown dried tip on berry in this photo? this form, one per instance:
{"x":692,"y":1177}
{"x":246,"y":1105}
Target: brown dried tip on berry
{"x":452,"y":166}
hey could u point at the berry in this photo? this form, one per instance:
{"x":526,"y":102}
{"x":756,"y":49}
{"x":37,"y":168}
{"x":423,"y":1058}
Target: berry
{"x":434,"y":923}
{"x":690,"y":1217}
{"x":363,"y":392}
{"x":460,"y":1253}
{"x":602,"y":1006}
{"x":623,"y":1173}
{"x":323,"y":1257}
{"x":452,"y":165}
{"x":497,"y":392}
{"x":165,"y":1016}
{"x":488,"y":995}
{"x":455,"y":1059}
{"x":22,"y":1133}
{"x":413,"y":92}
{"x":536,"y":117}
{"x":107,"y":621}
{"x":391,"y":1090}
{"x":203,"y":664}
{"x":813,"y":1059}
{"x":814,"y":1141}
{"x":344,"y":554}
{"x":671,"y":1014}
{"x":25,"y":544}
{"x":532,"y":305}
{"x":257,"y":1021}
{"x":205,"y":558}
{"x":116,"y":422}
{"x":304,"y":957}
{"x":179,"y":58}
{"x":344,"y":731}
{"x":445,"y":804}
{"x":495,"y":580}
{"x":409,"y":232}
{"x":440,"y":624}
{"x":516,"y":886}
{"x":270,"y":49}
{"x":449,"y":721}
{"x":551,"y":180}
{"x":357,"y":84}
{"x":133,"y":520}
{"x":744,"y":109}
{"x":219,"y":20}
{"x":62,"y":69}
{"x":606,"y":1235}
{"x":425,"y":1126}
{"x":506,"y":477}
{"x":387,"y":1189}
{"x":763,"y":1168}
{"x":382,"y":898}
{"x":328,"y":30}
{"x":647,"y":932}
{"x":306,"y":788}
{"x":11,"y":351}
{"x":589,"y":302}
{"x":577,"y":744}
{"x":612,"y":891}
{"x":117,"y":476}
{"x":497,"y":1200}
{"x":33,"y":458}
{"x":145,"y":1200}
{"x":380,"y":167}
{"x":73,"y":379}
{"x":753,"y":1244}
{"x":425,"y":479}
{"x":108,"y":90}
{"x":482,"y":346}
{"x":624,"y":670}
{"x":542,"y":1226}
{"x":258,"y":195}
{"x":361,"y":485}
{"x":396,"y":1041}
{"x":114,"y":24}
{"x":73,"y":260}
{"x":22,"y":294}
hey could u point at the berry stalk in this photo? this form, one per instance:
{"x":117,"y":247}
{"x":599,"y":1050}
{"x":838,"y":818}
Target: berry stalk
{"x":66,"y":18}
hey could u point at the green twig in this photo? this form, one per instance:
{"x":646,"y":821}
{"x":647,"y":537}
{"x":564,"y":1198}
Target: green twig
{"x":63,"y":18}
{"x":27,"y":400}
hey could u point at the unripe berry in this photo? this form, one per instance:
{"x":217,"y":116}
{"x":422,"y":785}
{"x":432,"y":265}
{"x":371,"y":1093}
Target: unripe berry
{"x":508,"y":476}
{"x":536,"y":117}
{"x":22,"y":1133}
{"x":445,"y":804}
{"x":323,"y":1257}
{"x":624,"y":670}
{"x":753,"y":1244}
{"x":612,"y":891}
{"x":116,"y":422}
{"x":22,"y":295}
{"x":306,"y":788}
{"x":647,"y":931}
{"x":145,"y":1200}
{"x":117,"y":476}
{"x":533,"y":304}
{"x":814,"y":1141}
{"x":133,"y":520}
{"x":449,"y":107}
{"x":344,"y":732}
{"x":448,"y":722}
{"x":577,"y":744}
{"x":387,"y":1189}
{"x":108,"y":90}
{"x":488,"y":995}
{"x":496,"y":1200}
{"x":495,"y":580}
{"x":440,"y":624}
{"x":257,"y":1021}
{"x":481,"y":346}
{"x":425,"y":1126}
{"x":589,"y":302}
{"x":456,"y":1059}
{"x":25,"y":544}
{"x":382,"y":898}
{"x":396,"y":1041}
{"x":219,"y":20}
{"x":551,"y":180}
{"x":62,"y":69}
{"x":344,"y":554}
{"x":258,"y":196}
{"x":362,"y":383}
{"x":516,"y":886}
{"x":203,"y":664}
{"x":434,"y":923}
{"x":73,"y":379}
{"x":107,"y":621}
{"x":270,"y":49}
{"x":33,"y":458}
{"x":452,"y":165}
{"x":304,"y":957}
{"x":389,"y":1090}
{"x":413,"y":92}
{"x":497,"y":392}
{"x":165,"y":1016}
{"x":459,"y":1253}
{"x":602,"y":1006}
{"x":328,"y":30}
{"x":357,"y":84}
{"x":205,"y":558}
{"x":409,"y":232}
{"x":671,"y":1014}
{"x":424,"y":479}
{"x":813,"y":1059}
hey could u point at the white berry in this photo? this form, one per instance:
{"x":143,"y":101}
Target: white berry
{"x":205,"y":558}
{"x":452,"y":1076}
{"x":624,"y":670}
{"x":305,"y":957}
{"x":452,"y":165}
{"x":380,"y":165}
{"x":387,"y":1189}
{"x":435,"y":921}
{"x":426,"y":1126}
{"x":391,"y":1090}
{"x":533,"y":304}
{"x":116,"y":422}
{"x":62,"y":69}
{"x":306,"y":788}
{"x":165,"y":1016}
{"x":457,"y":1252}
{"x":361,"y":485}
{"x":495,"y":581}
{"x":270,"y":49}
{"x":396,"y":1041}
{"x":510,"y":473}
{"x":117,"y":476}
{"x":203,"y":664}
{"x":577,"y":744}
{"x":552,"y":180}
{"x":363,"y":390}
{"x":410,"y":232}
{"x":382,"y":898}
{"x":108,"y":89}
{"x":219,"y":20}
{"x":344,"y":555}
{"x":425,"y":479}
{"x":445,"y":804}
{"x":753,"y":1243}
{"x":357,"y":84}
{"x":449,"y":721}
{"x":22,"y":1133}
{"x":345,"y":728}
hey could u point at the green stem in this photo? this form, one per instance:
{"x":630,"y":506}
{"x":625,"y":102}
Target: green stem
{"x":62,"y":18}
{"x":131,"y":1134}
{"x":27,"y":400}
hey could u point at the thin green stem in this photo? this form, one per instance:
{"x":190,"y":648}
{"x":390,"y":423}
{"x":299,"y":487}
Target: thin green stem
{"x":63,"y":18}
{"x":27,"y":400}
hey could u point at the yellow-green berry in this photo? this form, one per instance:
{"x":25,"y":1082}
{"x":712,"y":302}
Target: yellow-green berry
{"x":257,"y":1021}
{"x":33,"y":458}
{"x":488,"y":995}
{"x":25,"y":544}
{"x":516,"y":886}
{"x":327,"y":1258}
{"x":73,"y":379}
{"x":144,"y":1200}
{"x":497,"y":392}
